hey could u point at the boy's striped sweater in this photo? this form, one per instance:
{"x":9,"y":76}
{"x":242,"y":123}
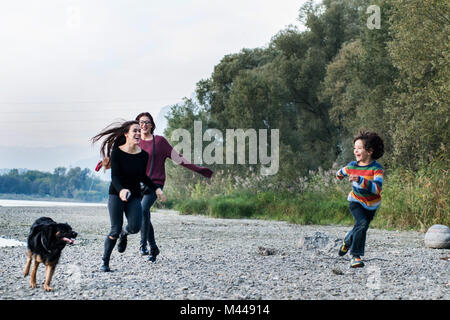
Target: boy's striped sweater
{"x":367,"y":191}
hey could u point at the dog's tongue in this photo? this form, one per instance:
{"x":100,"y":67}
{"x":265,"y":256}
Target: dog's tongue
{"x":71,"y":241}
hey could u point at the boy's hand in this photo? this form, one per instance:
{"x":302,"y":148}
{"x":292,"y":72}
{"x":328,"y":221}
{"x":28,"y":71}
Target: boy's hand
{"x":354,"y":178}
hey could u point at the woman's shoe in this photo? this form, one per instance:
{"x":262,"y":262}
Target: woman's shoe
{"x":143,"y":250}
{"x":154,"y":251}
{"x":105,"y":266}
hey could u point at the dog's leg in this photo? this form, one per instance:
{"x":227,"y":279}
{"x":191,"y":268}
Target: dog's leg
{"x":26,"y":271}
{"x":49,"y":270}
{"x":37,"y":261}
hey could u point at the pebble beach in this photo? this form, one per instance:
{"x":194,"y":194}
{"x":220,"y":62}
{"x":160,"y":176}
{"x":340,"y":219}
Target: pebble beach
{"x":204,"y":258}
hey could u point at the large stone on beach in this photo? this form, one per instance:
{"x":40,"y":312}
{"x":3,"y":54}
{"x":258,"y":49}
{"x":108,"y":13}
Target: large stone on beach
{"x":438,"y":236}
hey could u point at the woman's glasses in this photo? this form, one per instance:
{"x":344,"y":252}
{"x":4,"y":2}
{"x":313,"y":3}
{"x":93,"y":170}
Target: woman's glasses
{"x":142,"y":122}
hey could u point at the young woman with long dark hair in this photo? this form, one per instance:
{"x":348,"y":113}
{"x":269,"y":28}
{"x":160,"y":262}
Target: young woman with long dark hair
{"x":128,"y":168}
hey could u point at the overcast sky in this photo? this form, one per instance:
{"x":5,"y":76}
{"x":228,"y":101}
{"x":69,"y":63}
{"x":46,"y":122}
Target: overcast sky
{"x":71,"y":67}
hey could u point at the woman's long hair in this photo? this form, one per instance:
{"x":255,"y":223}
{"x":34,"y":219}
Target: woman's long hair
{"x":115,"y":136}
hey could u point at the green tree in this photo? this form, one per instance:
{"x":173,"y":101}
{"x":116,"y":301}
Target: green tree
{"x":420,"y":106}
{"x":359,"y":84}
{"x":278,"y":87}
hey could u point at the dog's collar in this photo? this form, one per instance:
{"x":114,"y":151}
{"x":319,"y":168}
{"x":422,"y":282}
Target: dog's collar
{"x":45,"y":247}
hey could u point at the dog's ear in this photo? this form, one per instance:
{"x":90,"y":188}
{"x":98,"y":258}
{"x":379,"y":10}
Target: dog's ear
{"x":35,"y":228}
{"x":33,"y":240}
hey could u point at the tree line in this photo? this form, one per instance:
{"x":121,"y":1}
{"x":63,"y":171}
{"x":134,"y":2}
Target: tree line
{"x":75,"y":183}
{"x":320,"y":86}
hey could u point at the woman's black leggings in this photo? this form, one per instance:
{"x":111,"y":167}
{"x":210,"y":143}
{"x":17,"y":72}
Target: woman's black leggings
{"x":133,"y":211}
{"x":116,"y":208}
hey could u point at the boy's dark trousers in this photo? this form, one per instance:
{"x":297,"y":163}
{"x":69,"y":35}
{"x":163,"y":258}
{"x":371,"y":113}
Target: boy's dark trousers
{"x":356,"y":238}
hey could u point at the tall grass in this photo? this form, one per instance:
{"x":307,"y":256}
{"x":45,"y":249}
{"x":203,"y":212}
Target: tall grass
{"x":416,"y":199}
{"x":410,"y":199}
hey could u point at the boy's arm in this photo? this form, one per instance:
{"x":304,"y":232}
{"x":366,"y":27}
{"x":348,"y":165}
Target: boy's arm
{"x":342,"y":173}
{"x":374,"y":186}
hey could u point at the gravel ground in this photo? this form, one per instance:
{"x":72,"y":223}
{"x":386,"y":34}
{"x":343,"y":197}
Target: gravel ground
{"x":215,"y":259}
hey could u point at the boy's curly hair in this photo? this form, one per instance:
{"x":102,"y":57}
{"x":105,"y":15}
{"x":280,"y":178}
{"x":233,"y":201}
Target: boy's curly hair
{"x":372,"y":141}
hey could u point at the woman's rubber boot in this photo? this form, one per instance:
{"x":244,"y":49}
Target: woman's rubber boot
{"x":122,"y":245}
{"x":109,"y":246}
{"x":105,"y":266}
{"x":143,"y":250}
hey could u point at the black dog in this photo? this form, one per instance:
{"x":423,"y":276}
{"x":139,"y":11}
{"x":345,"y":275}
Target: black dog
{"x":45,"y":243}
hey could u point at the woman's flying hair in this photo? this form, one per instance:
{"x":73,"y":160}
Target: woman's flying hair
{"x":115,"y":136}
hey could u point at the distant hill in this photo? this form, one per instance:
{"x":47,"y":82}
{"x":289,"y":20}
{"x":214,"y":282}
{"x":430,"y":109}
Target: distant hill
{"x":45,"y":158}
{"x":69,"y":156}
{"x":6,"y":171}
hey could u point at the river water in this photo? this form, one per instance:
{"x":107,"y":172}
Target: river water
{"x":5,"y":242}
{"x":33,"y":203}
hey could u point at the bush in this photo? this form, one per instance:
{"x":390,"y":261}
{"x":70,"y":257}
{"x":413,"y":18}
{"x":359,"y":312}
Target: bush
{"x":410,"y":199}
{"x":416,"y":199}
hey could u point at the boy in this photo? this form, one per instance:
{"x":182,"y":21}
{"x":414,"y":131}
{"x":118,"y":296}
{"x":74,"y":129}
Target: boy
{"x":366,"y":176}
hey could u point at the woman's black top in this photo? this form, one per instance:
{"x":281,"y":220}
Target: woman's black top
{"x":127,"y":171}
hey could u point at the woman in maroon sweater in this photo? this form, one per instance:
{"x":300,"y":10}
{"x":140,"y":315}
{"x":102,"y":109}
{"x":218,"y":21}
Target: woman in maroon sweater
{"x":159,"y":149}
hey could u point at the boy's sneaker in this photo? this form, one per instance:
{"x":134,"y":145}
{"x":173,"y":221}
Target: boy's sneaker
{"x":356,"y":262}
{"x":343,"y":249}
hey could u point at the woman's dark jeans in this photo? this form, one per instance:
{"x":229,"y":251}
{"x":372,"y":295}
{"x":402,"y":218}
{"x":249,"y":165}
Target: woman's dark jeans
{"x":116,"y":208}
{"x":147,"y":231}
{"x":356,"y":238}
{"x":133,"y":211}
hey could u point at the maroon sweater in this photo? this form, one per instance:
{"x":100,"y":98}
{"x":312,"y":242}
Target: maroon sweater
{"x":164,"y":151}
